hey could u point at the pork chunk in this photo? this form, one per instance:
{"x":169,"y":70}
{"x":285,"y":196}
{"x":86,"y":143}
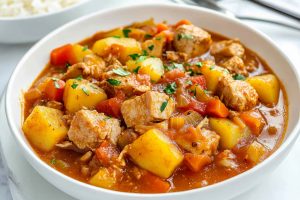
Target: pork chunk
{"x":236,"y":94}
{"x":235,"y":65}
{"x":227,"y":48}
{"x":191,"y":40}
{"x":88,"y":128}
{"x":150,"y":107}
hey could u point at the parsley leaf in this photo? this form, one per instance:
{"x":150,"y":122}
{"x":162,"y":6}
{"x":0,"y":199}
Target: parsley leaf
{"x":113,"y":82}
{"x":145,"y":53}
{"x":120,"y":71}
{"x":148,"y":36}
{"x":116,"y":36}
{"x":141,"y":58}
{"x":239,"y":77}
{"x":134,"y":56}
{"x":199,"y":64}
{"x":79,"y":78}
{"x":158,"y":38}
{"x":85,"y":47}
{"x":74,"y":85}
{"x":171,"y":88}
{"x":174,"y":66}
{"x":68,"y":65}
{"x":191,"y":72}
{"x":151,"y":47}
{"x":126,"y":32}
{"x":184,"y":36}
{"x":189,"y":82}
{"x":163,"y":106}
{"x":53,"y":161}
{"x":136,"y":70}
{"x":56,"y":84}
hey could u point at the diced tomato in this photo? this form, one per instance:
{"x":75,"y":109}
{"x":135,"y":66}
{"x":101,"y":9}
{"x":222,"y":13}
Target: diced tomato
{"x":182,"y":22}
{"x":196,"y":162}
{"x":253,"y":120}
{"x":112,"y":106}
{"x":154,"y":184}
{"x":54,"y":89}
{"x":161,"y":27}
{"x":62,"y":55}
{"x":199,"y":80}
{"x":173,"y":75}
{"x":195,"y":105}
{"x":107,"y":153}
{"x":216,"y":108}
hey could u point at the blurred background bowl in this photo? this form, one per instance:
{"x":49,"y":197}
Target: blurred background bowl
{"x":32,"y":28}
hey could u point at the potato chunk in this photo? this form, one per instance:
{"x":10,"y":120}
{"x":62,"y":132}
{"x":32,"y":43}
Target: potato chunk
{"x":151,"y":66}
{"x":212,"y":76}
{"x":44,"y":127}
{"x":230,"y":133}
{"x":267,"y":87}
{"x":155,"y":152}
{"x":120,"y":46}
{"x":256,"y":152}
{"x":104,"y":178}
{"x":82,"y":93}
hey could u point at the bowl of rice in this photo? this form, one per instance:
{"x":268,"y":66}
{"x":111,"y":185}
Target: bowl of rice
{"x":23,"y":21}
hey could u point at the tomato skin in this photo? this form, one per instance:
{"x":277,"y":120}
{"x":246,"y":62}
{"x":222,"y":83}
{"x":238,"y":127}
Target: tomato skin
{"x":199,"y":80}
{"x":106,"y":153}
{"x":171,"y":76}
{"x":54,"y":90}
{"x":199,"y":107}
{"x":62,"y":55}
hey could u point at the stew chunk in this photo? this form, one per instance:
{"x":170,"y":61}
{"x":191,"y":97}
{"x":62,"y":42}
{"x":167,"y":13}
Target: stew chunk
{"x":236,"y":94}
{"x":191,"y":40}
{"x":88,"y":128}
{"x":227,"y":48}
{"x":149,"y":107}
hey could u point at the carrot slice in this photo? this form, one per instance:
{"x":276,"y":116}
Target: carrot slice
{"x":216,"y":108}
{"x":62,"y":55}
{"x":196,"y":162}
{"x":54,"y":89}
{"x":152,"y":183}
{"x":253,"y":120}
{"x":182,"y":22}
{"x":161,"y":27}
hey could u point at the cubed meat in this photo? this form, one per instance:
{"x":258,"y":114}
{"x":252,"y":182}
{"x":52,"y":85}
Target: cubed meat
{"x":227,"y":48}
{"x":88,"y":128}
{"x":92,"y":66}
{"x":235,"y":65}
{"x":191,"y":40}
{"x":236,"y":94}
{"x":149,"y":107}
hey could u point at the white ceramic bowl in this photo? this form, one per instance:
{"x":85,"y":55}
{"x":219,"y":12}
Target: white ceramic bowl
{"x":34,"y":61}
{"x":33,"y":28}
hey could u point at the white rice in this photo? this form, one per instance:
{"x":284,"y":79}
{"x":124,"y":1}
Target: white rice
{"x":20,"y":8}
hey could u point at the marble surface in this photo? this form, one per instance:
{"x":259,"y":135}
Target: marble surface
{"x":286,"y":38}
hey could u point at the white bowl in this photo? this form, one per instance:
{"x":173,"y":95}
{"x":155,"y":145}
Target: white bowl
{"x":34,"y":61}
{"x":32,"y":28}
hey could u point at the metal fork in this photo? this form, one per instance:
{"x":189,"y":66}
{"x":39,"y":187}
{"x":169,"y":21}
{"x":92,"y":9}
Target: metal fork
{"x":215,"y":6}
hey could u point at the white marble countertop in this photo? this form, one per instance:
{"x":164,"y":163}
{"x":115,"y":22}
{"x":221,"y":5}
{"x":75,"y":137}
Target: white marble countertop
{"x":288,"y":39}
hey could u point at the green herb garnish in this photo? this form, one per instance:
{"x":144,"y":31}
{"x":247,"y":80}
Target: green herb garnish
{"x":239,"y":77}
{"x":134,"y":56}
{"x":120,"y":71}
{"x":141,"y":58}
{"x":86,"y":92}
{"x":79,"y":78}
{"x":113,"y":82}
{"x":53,"y":161}
{"x":184,"y":36}
{"x":144,"y":53}
{"x":116,"y":36}
{"x":136,"y":70}
{"x":158,"y":38}
{"x":191,"y":72}
{"x":171,"y":88}
{"x":211,"y":68}
{"x":85,"y":47}
{"x":189,"y":82}
{"x":148,"y":36}
{"x":126,"y":32}
{"x":74,"y":85}
{"x":199,"y":64}
{"x":163,"y":106}
{"x":56,"y":85}
{"x":68,"y":65}
{"x":151,"y":47}
{"x":174,"y":66}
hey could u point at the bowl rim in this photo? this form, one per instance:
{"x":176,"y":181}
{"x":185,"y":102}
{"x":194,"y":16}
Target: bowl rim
{"x":294,"y":133}
{"x":43,"y":15}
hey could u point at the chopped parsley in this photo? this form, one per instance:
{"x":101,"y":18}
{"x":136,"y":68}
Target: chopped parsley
{"x":79,"y":78}
{"x":53,"y":161}
{"x":136,"y":70}
{"x":126,"y":32}
{"x":74,"y":85}
{"x":158,"y":38}
{"x":85,"y":91}
{"x":184,"y":36}
{"x":199,"y":64}
{"x":206,"y":91}
{"x":134,"y":56}
{"x":148,"y":36}
{"x":191,"y":72}
{"x":120,"y":71}
{"x":56,"y":84}
{"x":145,"y":53}
{"x":163,"y":106}
{"x":174,"y":66}
{"x":113,"y":82}
{"x":189,"y":82}
{"x":141,"y":58}
{"x":171,"y":88}
{"x":239,"y":77}
{"x":68,"y":65}
{"x":211,"y":68}
{"x":116,"y":36}
{"x":151,"y":47}
{"x":85,"y":47}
